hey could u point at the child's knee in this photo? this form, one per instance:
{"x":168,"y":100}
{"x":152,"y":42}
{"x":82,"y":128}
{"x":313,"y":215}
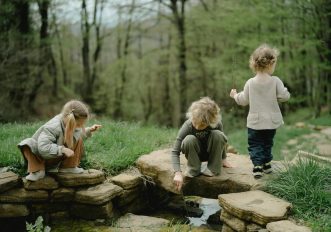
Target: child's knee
{"x":218,"y":136}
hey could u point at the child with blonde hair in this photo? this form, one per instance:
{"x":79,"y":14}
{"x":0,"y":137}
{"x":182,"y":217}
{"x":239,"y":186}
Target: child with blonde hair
{"x":262,"y":93}
{"x":57,"y":146}
{"x":201,"y":138}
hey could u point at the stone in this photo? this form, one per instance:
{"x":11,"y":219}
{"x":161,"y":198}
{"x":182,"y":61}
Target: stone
{"x":231,"y":149}
{"x":13,"y":210}
{"x":62,"y":195}
{"x":4,"y":169}
{"x":226,"y":228}
{"x":305,"y":156}
{"x":21,"y":195}
{"x":88,"y":177}
{"x":287,"y":226}
{"x":47,"y":183}
{"x":127,"y":181}
{"x":127,"y":196}
{"x":300,"y":125}
{"x":256,"y":206}
{"x":99,"y":194}
{"x":158,"y":167}
{"x":141,"y":222}
{"x":61,"y":215}
{"x":38,"y":209}
{"x":8,"y":180}
{"x":292,"y":142}
{"x":326,"y":131}
{"x":91,"y":212}
{"x":233,"y":222}
{"x":324,"y":149}
{"x":252,"y":227}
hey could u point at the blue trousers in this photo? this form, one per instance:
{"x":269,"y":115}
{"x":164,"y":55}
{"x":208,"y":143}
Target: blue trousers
{"x":260,"y":143}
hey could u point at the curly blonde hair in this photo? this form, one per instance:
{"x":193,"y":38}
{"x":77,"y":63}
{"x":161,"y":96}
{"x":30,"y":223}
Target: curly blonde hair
{"x":204,"y":110}
{"x":263,"y":58}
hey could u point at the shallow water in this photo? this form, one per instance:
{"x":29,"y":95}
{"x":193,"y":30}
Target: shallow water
{"x":209,"y":207}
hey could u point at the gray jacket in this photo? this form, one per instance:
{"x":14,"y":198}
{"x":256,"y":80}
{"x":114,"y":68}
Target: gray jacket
{"x":48,"y":140}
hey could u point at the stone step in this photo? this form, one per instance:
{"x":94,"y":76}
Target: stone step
{"x":286,"y":225}
{"x":89,"y":177}
{"x":99,"y":194}
{"x":8,"y":180}
{"x":255,"y":206}
{"x":47,"y":183}
{"x":21,"y":195}
{"x":158,"y":166}
{"x":13,"y":210}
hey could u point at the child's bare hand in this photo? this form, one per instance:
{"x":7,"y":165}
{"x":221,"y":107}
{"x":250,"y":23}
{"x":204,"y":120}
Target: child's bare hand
{"x":178,"y":180}
{"x":233,"y":93}
{"x":95,"y":127}
{"x":67,"y":152}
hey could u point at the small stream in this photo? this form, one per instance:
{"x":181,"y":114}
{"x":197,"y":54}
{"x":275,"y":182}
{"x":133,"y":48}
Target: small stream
{"x":208,"y":206}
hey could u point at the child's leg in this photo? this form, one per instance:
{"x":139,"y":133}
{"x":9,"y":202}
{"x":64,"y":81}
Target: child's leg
{"x":268,"y":143}
{"x":256,"y":152}
{"x":35,"y":163}
{"x":216,"y":147}
{"x":255,"y":146}
{"x":191,"y":148}
{"x":74,"y":161}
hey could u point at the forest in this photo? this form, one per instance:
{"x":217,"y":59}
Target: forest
{"x":147,"y":60}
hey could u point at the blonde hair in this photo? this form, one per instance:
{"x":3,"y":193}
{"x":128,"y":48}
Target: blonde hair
{"x":71,"y":111}
{"x":204,"y":110}
{"x":263,"y":58}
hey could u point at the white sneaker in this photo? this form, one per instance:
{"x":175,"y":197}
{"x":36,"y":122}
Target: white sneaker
{"x":75,"y":170}
{"x":34,"y":176}
{"x":207,"y":172}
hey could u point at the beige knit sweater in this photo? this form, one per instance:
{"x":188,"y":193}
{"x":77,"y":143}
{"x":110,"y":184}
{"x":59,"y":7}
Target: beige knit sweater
{"x":263,"y":95}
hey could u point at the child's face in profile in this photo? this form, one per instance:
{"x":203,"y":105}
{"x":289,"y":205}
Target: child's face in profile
{"x":199,"y":125}
{"x":80,"y":122}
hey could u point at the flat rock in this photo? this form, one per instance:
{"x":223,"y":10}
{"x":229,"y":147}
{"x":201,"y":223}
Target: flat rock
{"x":324,"y":149}
{"x":99,"y":194}
{"x":285,"y":225}
{"x":141,"y":222}
{"x":88,"y":177}
{"x":22,"y":195}
{"x":256,"y":206}
{"x":62,"y":195}
{"x":127,"y":181}
{"x":232,"y":221}
{"x":47,"y":183}
{"x":157,"y":165}
{"x":13,"y":210}
{"x":8,"y":180}
{"x":327,"y":131}
{"x":92,"y":212}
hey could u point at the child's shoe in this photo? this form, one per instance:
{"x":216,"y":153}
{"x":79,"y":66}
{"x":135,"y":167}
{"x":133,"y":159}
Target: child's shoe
{"x":207,"y":172}
{"x":257,"y":172}
{"x":267,"y":168}
{"x":75,"y":170}
{"x":34,"y":176}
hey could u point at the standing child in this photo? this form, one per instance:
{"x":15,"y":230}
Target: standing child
{"x":200,"y":138}
{"x":58,"y":143}
{"x":262,"y":93}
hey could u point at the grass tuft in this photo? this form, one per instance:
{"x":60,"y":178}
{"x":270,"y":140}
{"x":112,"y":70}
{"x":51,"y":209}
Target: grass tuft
{"x":307,"y":185}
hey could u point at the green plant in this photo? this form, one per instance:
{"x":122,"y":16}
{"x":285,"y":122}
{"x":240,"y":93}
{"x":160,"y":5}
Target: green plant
{"x":37,"y":226}
{"x":307,"y":185}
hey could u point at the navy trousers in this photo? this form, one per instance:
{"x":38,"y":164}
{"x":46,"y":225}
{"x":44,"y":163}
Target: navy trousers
{"x":260,"y":143}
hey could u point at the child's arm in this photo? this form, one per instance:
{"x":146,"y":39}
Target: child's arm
{"x":47,"y":143}
{"x":89,"y":130}
{"x":241,"y":98}
{"x":282,"y":93}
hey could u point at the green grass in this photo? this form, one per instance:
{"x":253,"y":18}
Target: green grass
{"x":115,"y":147}
{"x":307,"y":185}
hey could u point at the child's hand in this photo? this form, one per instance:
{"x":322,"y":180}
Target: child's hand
{"x":95,"y":127}
{"x":178,"y":180}
{"x":233,"y":93}
{"x":67,"y":152}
